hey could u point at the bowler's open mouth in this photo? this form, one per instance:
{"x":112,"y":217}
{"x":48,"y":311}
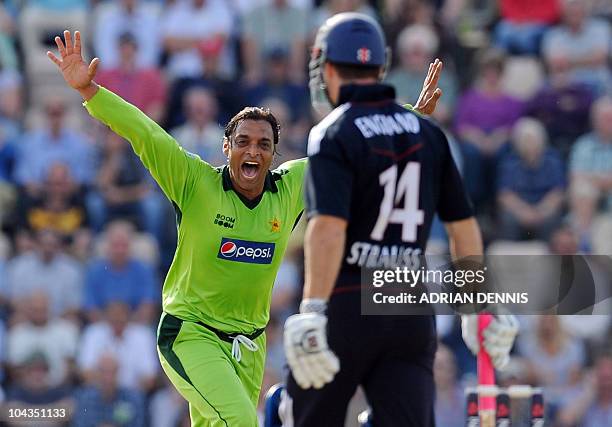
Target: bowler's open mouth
{"x":249,"y":169}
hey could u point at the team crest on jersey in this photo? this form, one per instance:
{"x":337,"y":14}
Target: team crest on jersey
{"x":275,"y":225}
{"x":364,"y":55}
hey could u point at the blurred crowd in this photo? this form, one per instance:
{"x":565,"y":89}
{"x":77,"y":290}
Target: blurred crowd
{"x":86,"y":236}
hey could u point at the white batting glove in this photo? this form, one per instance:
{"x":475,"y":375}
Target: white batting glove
{"x":498,"y":337}
{"x":311,"y":361}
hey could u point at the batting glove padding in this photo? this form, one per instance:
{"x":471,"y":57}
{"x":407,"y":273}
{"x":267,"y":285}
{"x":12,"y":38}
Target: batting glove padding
{"x":311,"y":361}
{"x":498,"y":337}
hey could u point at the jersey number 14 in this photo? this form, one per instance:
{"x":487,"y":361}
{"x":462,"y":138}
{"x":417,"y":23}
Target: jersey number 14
{"x":409,"y":216}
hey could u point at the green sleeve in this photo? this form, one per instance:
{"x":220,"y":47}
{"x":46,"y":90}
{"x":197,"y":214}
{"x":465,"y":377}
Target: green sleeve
{"x":173,"y":168}
{"x":414,"y":110}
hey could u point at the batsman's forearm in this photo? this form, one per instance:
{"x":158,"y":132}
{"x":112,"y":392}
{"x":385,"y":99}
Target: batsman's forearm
{"x":464,"y":238}
{"x":324,"y":248}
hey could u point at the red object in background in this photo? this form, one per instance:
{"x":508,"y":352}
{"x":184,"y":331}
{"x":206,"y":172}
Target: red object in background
{"x":211,"y":47}
{"x":531,"y":11}
{"x":486,"y":372}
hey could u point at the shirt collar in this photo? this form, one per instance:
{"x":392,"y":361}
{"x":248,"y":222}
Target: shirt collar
{"x":369,"y":93}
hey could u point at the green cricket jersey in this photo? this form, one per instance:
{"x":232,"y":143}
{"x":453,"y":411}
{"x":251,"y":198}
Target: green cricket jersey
{"x":229,"y":250}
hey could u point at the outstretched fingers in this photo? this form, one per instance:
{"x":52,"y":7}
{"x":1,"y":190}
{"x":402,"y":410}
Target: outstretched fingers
{"x":93,"y":67}
{"x":60,"y":46}
{"x":54,"y":58}
{"x":77,"y":42}
{"x":68,"y":39}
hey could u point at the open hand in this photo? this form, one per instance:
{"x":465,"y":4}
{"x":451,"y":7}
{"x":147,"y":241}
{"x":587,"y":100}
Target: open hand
{"x":428,"y":99}
{"x":76,"y":72}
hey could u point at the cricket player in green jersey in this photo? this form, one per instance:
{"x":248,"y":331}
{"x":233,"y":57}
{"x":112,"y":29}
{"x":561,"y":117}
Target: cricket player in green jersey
{"x":234,"y":223}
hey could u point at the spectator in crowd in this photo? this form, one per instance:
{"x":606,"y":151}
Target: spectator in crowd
{"x":417,"y":46}
{"x":192,"y":29}
{"x":8,"y":150}
{"x":47,"y":269}
{"x":201,"y":134}
{"x":115,"y":19}
{"x":104,"y":402}
{"x":167,"y":406}
{"x":594,"y":407}
{"x":591,"y":169}
{"x":59,"y":206}
{"x":563,"y":241}
{"x":295,"y":134}
{"x":228,"y":93}
{"x":119,"y":277}
{"x":11,"y":99}
{"x":42,"y":148}
{"x":275,"y":354}
{"x":331,"y":7}
{"x":483,"y":123}
{"x":124,"y":189}
{"x":580,"y":46}
{"x":555,"y":359}
{"x":32,"y":389}
{"x":56,"y":339}
{"x":143,"y":87}
{"x":530,"y":183}
{"x":563,"y":107}
{"x":277,"y":84}
{"x":450,"y":396}
{"x":602,"y":8}
{"x":276,"y":25}
{"x":8,"y":56}
{"x":133,"y":345}
{"x":523,"y":24}
{"x":401,"y":14}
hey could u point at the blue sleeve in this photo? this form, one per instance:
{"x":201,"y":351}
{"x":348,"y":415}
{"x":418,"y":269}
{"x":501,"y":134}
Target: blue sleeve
{"x":24,"y":171}
{"x":558,"y":171}
{"x":139,"y":417}
{"x":505,"y":174}
{"x":149,"y":288}
{"x":93,"y":297}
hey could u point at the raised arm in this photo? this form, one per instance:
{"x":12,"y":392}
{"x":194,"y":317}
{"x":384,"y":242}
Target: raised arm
{"x":172,"y":167}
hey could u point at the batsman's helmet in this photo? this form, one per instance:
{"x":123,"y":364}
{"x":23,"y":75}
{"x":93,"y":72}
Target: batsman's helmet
{"x":351,"y":39}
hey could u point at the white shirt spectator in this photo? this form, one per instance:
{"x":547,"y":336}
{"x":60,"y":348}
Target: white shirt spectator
{"x":166,"y":408}
{"x":183,"y":20}
{"x":594,"y":36}
{"x":134,"y":351}
{"x":61,"y":279}
{"x":245,"y":6}
{"x":205,"y":143}
{"x":113,"y":20}
{"x":57,"y":340}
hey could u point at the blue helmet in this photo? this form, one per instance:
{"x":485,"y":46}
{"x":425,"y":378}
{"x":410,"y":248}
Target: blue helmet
{"x":348,"y":39}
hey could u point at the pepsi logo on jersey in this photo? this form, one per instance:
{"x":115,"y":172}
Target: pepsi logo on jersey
{"x":246,"y":251}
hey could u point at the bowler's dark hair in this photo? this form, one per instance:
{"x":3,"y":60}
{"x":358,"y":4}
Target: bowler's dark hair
{"x":253,"y":113}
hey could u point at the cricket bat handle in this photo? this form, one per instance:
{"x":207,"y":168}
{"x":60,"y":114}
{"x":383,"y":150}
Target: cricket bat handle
{"x":486,"y":375}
